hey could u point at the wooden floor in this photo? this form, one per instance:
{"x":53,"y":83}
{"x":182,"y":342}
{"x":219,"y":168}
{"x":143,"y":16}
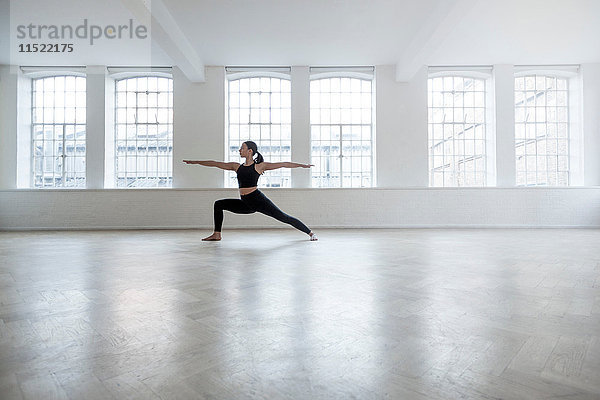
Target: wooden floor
{"x":365,"y":314}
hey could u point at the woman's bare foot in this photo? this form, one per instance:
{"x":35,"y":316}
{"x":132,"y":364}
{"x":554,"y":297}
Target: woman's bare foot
{"x":215,"y":236}
{"x":313,"y":237}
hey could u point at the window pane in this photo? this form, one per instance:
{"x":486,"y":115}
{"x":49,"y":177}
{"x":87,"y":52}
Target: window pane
{"x":58,"y":128}
{"x":264,"y":117}
{"x":457,"y":131}
{"x":340,"y":110}
{"x":540,"y":156}
{"x":144,"y":120}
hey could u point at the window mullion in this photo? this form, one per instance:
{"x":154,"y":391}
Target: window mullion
{"x":341,"y":156}
{"x":64,"y":156}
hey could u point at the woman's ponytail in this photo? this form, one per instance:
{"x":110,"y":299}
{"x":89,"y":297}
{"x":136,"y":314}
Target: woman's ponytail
{"x":252,"y":146}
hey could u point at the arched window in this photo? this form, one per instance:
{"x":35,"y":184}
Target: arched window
{"x":144,"y":132}
{"x":541,"y":129}
{"x":341,"y":124}
{"x":58,"y":131}
{"x":457,"y":130}
{"x":259,"y":109}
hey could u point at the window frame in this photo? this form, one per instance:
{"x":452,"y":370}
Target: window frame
{"x":340,"y":72}
{"x":41,"y":75}
{"x":489,"y":143}
{"x":123,"y":76}
{"x":573,"y":139}
{"x":282,"y":73}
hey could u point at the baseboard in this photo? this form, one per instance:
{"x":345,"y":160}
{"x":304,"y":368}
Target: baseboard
{"x":209,"y":228}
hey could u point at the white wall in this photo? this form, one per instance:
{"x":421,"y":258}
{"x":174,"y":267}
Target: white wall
{"x":591,"y":123}
{"x":505,"y":125}
{"x":198,"y":128}
{"x":317,"y":208}
{"x":401,"y":129}
{"x":8,"y":128}
{"x":401,"y":199}
{"x":95,"y":125}
{"x":300,"y":124}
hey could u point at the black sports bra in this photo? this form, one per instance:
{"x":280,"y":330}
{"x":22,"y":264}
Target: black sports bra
{"x":247,"y":176}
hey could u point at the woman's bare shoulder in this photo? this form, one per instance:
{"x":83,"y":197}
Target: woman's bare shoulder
{"x":260,"y":168}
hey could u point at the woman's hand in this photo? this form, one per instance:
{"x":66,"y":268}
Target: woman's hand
{"x":307,"y":165}
{"x":189,"y":162}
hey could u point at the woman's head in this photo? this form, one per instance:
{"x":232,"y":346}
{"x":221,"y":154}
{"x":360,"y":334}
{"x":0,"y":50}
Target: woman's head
{"x":249,"y":148}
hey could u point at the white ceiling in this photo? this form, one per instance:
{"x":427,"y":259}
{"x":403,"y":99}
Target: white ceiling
{"x":524,"y":32}
{"x":308,"y":32}
{"x":348,"y":32}
{"x":300,"y":32}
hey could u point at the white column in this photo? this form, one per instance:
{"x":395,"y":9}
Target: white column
{"x":109,"y":133}
{"x":95,"y":126}
{"x":504,"y":83}
{"x":401,"y":129}
{"x":199,"y":128}
{"x":23,"y":132}
{"x":301,"y":177}
{"x":591,"y":123}
{"x":8,"y":128}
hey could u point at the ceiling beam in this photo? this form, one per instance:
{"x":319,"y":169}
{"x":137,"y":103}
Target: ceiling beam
{"x":431,"y":36}
{"x":166,"y":33}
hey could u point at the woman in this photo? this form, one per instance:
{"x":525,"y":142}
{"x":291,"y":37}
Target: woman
{"x":251,"y":199}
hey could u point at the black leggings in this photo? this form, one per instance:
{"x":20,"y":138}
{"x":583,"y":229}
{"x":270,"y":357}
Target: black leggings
{"x":251,"y":203}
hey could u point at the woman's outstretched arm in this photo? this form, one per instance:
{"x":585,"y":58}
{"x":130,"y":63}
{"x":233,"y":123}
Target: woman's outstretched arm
{"x":209,"y":163}
{"x":269,"y":166}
